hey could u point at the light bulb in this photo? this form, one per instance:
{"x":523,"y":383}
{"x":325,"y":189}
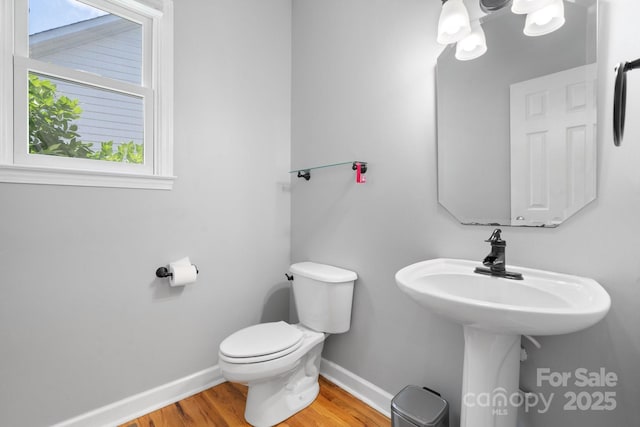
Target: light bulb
{"x":542,"y":17}
{"x":545,"y":20}
{"x":468,"y":44}
{"x":472,"y":46}
{"x":453,"y":24}
{"x":522,"y":7}
{"x":451,"y":27}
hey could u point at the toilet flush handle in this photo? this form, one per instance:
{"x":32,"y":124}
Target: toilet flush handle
{"x":289,"y":276}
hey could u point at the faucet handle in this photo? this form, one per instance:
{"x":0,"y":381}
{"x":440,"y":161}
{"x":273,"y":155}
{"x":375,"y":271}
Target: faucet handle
{"x":495,"y":236}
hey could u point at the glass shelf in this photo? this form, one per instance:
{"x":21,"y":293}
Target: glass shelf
{"x":326,"y":166}
{"x":306,"y":172}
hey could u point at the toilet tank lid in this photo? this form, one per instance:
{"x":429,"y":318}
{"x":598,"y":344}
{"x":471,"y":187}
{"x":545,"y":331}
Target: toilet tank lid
{"x":323,"y":272}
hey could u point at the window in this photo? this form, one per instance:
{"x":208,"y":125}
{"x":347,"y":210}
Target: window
{"x":91,"y":85}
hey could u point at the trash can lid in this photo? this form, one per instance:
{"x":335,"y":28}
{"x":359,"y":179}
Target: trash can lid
{"x":419,"y":405}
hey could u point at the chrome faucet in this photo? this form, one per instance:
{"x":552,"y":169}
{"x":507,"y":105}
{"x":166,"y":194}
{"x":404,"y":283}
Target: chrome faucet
{"x":495,"y":261}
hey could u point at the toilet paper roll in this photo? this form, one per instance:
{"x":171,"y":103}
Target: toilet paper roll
{"x":182,"y":274}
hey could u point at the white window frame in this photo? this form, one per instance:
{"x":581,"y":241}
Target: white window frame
{"x":156,"y":90}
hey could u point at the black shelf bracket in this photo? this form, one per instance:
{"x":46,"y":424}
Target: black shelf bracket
{"x":306,"y":174}
{"x":363,"y":166}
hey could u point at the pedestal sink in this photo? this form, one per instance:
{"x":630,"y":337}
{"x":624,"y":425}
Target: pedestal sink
{"x":495,"y":312}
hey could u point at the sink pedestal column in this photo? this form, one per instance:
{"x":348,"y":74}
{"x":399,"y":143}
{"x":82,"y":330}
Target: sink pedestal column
{"x":490,"y":383}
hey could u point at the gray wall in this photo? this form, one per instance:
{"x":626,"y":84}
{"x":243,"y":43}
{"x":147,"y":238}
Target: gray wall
{"x":83,"y":321}
{"x":363,"y":88}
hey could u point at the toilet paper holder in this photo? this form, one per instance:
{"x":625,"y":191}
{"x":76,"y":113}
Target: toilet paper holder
{"x":164,"y":272}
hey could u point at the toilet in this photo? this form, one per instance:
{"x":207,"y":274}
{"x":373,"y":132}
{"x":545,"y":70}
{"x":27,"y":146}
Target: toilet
{"x":280,"y":362}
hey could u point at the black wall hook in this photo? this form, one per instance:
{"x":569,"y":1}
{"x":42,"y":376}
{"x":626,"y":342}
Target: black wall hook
{"x":620,"y":99}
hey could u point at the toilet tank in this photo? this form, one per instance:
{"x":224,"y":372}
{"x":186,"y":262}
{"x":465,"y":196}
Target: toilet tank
{"x":323,"y":296}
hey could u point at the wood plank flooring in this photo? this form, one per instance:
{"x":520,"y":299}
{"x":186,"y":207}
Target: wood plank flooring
{"x":223,"y":406}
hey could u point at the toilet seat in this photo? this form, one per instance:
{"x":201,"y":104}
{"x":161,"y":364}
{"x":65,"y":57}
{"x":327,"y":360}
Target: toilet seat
{"x":260,"y":343}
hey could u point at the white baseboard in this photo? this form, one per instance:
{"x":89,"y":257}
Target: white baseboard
{"x":148,"y":401}
{"x":360,"y":388}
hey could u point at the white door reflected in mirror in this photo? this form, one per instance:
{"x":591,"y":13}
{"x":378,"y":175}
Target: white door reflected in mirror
{"x":553,"y":146}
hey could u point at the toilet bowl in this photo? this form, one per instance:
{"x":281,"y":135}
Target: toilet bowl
{"x":283,"y":382}
{"x":280,"y":362}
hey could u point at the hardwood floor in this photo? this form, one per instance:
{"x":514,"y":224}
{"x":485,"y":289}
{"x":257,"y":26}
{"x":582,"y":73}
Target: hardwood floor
{"x":223,"y":405}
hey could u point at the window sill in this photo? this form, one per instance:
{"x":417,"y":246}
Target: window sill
{"x":83,"y":178}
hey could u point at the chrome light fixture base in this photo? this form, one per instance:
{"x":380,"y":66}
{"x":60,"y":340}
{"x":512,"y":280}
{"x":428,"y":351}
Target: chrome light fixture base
{"x":488,"y":6}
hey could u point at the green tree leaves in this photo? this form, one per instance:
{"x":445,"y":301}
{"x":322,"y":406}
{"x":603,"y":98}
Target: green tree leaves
{"x":52,"y":131}
{"x":126,"y":152}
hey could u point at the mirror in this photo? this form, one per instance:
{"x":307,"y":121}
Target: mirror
{"x":517,"y":126}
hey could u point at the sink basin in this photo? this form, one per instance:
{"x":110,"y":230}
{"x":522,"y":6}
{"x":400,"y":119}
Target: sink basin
{"x":544,"y":303}
{"x":494,"y":313}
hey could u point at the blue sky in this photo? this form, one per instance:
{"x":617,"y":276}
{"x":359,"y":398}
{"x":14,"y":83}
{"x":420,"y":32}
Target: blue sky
{"x":47,"y":14}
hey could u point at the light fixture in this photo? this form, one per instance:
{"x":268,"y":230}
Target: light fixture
{"x":543,"y":17}
{"x":472,"y":46}
{"x":453,"y":24}
{"x":522,"y":7}
{"x":545,"y":20}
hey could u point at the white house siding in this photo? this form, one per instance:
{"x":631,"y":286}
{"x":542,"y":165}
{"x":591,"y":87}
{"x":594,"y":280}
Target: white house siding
{"x":111,"y":47}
